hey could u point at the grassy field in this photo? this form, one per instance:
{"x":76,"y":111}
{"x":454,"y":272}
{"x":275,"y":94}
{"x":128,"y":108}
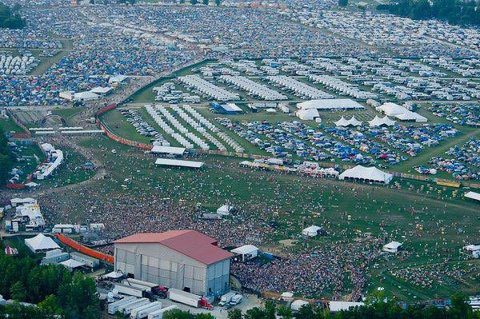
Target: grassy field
{"x":8,"y":125}
{"x":71,"y":172}
{"x":346,"y":210}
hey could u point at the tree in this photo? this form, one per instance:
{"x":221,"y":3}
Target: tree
{"x":6,"y":157}
{"x":193,"y":2}
{"x":235,"y":314}
{"x":205,"y":2}
{"x":50,"y":305}
{"x":343,"y":3}
{"x":285,"y":312}
{"x":177,"y":314}
{"x":254,"y":313}
{"x":218,"y":2}
{"x":17,"y":291}
{"x":10,"y":18}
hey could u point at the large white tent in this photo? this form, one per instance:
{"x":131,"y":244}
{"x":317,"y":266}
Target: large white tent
{"x":41,"y":243}
{"x":401,"y":113}
{"x":392,"y":247}
{"x":159,"y":149}
{"x":342,"y":122}
{"x":307,"y":114}
{"x":330,"y":104}
{"x":367,"y":174}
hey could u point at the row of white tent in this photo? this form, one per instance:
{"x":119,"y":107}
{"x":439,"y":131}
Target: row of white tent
{"x":342,"y":87}
{"x":197,"y":126}
{"x":206,"y":123}
{"x":375,"y":122}
{"x":55,"y":157}
{"x":18,"y":65}
{"x":299,"y":88}
{"x":152,"y":111}
{"x":208,"y":88}
{"x":254,"y":88}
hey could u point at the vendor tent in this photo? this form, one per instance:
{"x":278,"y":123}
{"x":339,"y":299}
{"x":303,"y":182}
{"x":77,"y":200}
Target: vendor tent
{"x":247,"y":252}
{"x":392,"y":247}
{"x":71,"y":264}
{"x":41,"y":243}
{"x":311,"y":231}
{"x":366,"y":174}
{"x":308,"y":114}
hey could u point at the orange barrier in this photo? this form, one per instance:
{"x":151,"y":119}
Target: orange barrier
{"x":106,"y":109}
{"x":124,"y":141}
{"x":84,"y":250}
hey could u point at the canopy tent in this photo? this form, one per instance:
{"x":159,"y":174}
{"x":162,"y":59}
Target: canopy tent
{"x":179,"y":163}
{"x":297,"y":304}
{"x":41,"y":243}
{"x":367,"y":174}
{"x":392,"y":247}
{"x":72,"y":264}
{"x":311,"y":231}
{"x":114,"y":275}
{"x":336,"y":306}
{"x":308,"y":114}
{"x":224,"y":210}
{"x":247,"y":252}
{"x":344,"y":122}
{"x":158,"y":149}
{"x":473,"y":195}
{"x":381,"y":121}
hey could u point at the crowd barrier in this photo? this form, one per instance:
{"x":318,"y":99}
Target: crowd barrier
{"x":83,"y":249}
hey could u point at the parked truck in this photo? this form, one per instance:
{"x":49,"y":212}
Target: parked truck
{"x":141,"y":302}
{"x":226,"y":298}
{"x":130,"y":290}
{"x":188,"y":299}
{"x":152,"y":288}
{"x":236,"y":299}
{"x":131,"y":305}
{"x":113,"y":307}
{"x":143,"y":311}
{"x":159,"y":313}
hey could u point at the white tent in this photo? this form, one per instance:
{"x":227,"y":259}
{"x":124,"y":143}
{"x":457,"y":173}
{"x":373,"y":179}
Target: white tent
{"x":473,"y":195}
{"x":246,"y":251}
{"x":307,"y":114}
{"x":72,"y":264}
{"x":342,"y":122}
{"x":392,"y":247}
{"x":85,"y":96}
{"x":158,"y":149}
{"x":297,"y":304}
{"x":311,"y":231}
{"x":367,"y":174}
{"x":400,"y":112}
{"x":380,"y":121}
{"x":330,"y":104}
{"x":224,"y":210}
{"x":41,"y":243}
{"x":336,"y":306}
{"x":351,"y":122}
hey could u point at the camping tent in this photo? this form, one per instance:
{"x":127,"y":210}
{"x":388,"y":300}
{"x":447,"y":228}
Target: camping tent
{"x":311,"y":231}
{"x":40,"y":243}
{"x":367,"y":174}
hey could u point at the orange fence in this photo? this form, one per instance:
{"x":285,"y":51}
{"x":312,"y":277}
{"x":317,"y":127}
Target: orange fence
{"x":124,"y":141}
{"x":84,"y":250}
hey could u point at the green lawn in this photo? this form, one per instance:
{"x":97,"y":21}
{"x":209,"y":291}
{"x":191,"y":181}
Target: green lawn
{"x":8,"y":125}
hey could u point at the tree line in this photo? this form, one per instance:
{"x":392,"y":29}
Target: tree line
{"x":379,"y":309}
{"x":10,"y":17}
{"x":54,"y":289}
{"x":6,"y":157}
{"x":458,"y":12}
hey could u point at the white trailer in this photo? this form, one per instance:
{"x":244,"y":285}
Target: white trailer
{"x":133,"y":304}
{"x":159,"y":313}
{"x":129,"y":290}
{"x":226,"y":298}
{"x":141,"y":314}
{"x":235,"y":300}
{"x":113,"y":307}
{"x":184,"y":297}
{"x":139,"y":303}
